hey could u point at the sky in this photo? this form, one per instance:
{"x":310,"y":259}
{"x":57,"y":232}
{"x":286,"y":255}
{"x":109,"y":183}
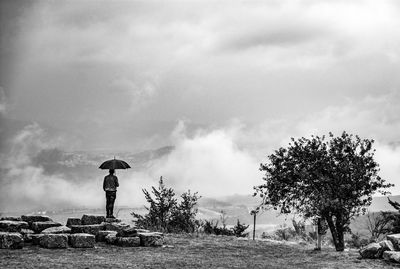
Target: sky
{"x":226,"y":82}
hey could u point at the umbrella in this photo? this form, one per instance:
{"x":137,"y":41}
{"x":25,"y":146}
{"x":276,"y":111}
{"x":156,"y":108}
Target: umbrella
{"x":114,"y":164}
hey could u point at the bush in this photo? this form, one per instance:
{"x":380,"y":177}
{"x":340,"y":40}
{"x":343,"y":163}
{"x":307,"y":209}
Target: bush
{"x":239,"y":228}
{"x":357,"y":241}
{"x":285,"y":233}
{"x":209,"y":227}
{"x":165,"y":214}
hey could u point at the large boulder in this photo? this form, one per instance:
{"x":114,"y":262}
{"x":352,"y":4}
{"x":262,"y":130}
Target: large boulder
{"x":101,"y":235}
{"x":57,"y":230}
{"x":39,"y":226}
{"x":386,"y":245}
{"x":73,"y":221}
{"x":53,"y":241}
{"x":82,"y":240}
{"x":151,"y":239}
{"x":127,"y":241}
{"x":92,"y":219}
{"x":12,"y":225}
{"x":127,"y":232}
{"x":111,"y":238}
{"x":27,"y":235}
{"x":393,"y":256}
{"x":11,"y":218}
{"x":371,"y":251}
{"x":11,"y":240}
{"x":115,"y":226}
{"x":35,"y":218}
{"x":87,"y":229}
{"x":395,"y":239}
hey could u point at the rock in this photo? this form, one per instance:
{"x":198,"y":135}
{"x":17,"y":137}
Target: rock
{"x":128,"y":232}
{"x":395,"y":239}
{"x":115,"y":226}
{"x":393,"y":256}
{"x":39,"y":226}
{"x":73,"y":221}
{"x":386,"y":246}
{"x":87,"y":229}
{"x":111,"y":238}
{"x":101,"y":235}
{"x":11,"y":240}
{"x":127,"y":241}
{"x":142,"y":231}
{"x":36,"y":238}
{"x":35,"y":218}
{"x":53,"y":241}
{"x":57,"y":230}
{"x":151,"y":239}
{"x":27,"y":235}
{"x":82,"y":240}
{"x":12,"y":225}
{"x":11,"y":218}
{"x":92,"y":219}
{"x":111,"y":220}
{"x":371,"y":251}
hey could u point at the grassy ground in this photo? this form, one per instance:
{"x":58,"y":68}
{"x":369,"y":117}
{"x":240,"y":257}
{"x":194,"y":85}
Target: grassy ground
{"x":189,"y":251}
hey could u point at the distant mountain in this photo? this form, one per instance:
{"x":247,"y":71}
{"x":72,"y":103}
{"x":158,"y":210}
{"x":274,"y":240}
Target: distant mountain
{"x":80,"y":164}
{"x":381,"y":203}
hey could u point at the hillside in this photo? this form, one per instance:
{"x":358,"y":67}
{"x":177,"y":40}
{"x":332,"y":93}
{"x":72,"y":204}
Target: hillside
{"x":190,"y":251}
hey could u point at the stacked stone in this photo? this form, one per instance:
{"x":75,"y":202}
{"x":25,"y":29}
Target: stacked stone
{"x":15,"y":231}
{"x":77,"y":233}
{"x":388,"y":249}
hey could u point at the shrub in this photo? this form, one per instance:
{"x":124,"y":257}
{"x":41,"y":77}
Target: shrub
{"x":239,"y":228}
{"x":165,"y":214}
{"x":209,"y":227}
{"x":285,"y":233}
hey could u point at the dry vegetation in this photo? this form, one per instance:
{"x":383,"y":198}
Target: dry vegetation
{"x":189,"y":251}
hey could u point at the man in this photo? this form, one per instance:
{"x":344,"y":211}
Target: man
{"x":110,"y":185}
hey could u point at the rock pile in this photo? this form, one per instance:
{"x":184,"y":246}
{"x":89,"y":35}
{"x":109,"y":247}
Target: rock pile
{"x":388,"y":249}
{"x":16,"y":232}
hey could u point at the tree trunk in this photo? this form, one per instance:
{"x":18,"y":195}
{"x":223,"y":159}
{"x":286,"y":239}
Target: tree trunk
{"x":337,"y":232}
{"x":340,"y":233}
{"x":319,"y":234}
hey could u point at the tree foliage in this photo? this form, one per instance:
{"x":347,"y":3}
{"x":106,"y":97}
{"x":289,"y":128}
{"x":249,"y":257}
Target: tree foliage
{"x":165,"y":213}
{"x":327,"y":177}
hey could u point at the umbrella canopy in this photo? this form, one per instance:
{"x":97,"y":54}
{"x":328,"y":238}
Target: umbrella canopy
{"x":114,"y":164}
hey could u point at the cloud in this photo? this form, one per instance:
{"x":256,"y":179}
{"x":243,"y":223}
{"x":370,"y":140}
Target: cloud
{"x":211,"y":163}
{"x":3,"y":102}
{"x":140,"y":95}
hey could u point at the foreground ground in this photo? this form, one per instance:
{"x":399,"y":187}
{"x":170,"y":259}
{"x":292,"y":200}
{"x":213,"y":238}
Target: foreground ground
{"x":186,"y":251}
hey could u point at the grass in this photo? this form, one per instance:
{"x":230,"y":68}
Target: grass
{"x":189,"y":251}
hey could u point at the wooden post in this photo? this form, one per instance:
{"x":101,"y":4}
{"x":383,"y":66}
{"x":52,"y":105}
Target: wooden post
{"x":254,"y":213}
{"x":254,"y":226}
{"x":319,"y":234}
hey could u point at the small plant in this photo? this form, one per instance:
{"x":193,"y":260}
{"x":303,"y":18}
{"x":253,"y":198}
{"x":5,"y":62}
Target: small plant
{"x":239,"y":228}
{"x":285,"y":233}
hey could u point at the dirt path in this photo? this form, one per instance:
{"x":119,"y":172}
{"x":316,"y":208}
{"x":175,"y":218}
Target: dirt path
{"x":188,"y":252}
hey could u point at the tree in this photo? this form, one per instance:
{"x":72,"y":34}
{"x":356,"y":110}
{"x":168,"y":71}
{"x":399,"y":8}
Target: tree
{"x":380,"y":223}
{"x":160,"y":207}
{"x":331,"y":178}
{"x":394,"y":217}
{"x":183,"y":216}
{"x":164,"y":212}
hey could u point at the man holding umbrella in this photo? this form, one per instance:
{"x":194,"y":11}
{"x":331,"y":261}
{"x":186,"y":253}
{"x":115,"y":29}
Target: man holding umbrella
{"x":110,"y":183}
{"x":110,"y":186}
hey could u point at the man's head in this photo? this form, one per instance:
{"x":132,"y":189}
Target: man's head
{"x":112,"y":171}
